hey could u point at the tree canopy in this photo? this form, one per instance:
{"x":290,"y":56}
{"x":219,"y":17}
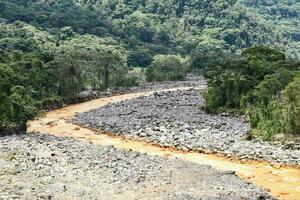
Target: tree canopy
{"x":259,"y":84}
{"x":168,"y":27}
{"x":167,"y":67}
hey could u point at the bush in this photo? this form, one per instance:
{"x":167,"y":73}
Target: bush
{"x":279,"y":115}
{"x":291,"y":103}
{"x":167,"y":68}
{"x":266,"y":120}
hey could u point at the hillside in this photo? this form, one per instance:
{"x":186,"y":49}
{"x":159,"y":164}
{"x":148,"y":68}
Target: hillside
{"x":150,"y":27}
{"x":52,"y":50}
{"x":150,"y":99}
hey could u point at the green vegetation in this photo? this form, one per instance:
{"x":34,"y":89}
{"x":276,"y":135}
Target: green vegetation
{"x":150,"y":27}
{"x":50,"y":51}
{"x":36,"y":68}
{"x":261,"y":83}
{"x":167,"y":67}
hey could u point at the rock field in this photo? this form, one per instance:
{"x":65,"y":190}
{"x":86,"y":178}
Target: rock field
{"x":47,"y":167}
{"x":175,"y":119}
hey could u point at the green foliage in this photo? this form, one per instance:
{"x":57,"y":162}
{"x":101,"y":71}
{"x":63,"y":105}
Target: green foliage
{"x":168,"y":27}
{"x":140,"y":58}
{"x":53,"y":14}
{"x":6,"y":78}
{"x":263,"y":53}
{"x":23,"y":104}
{"x":258,"y":84}
{"x":87,"y":61}
{"x":17,"y":103}
{"x":291,"y":103}
{"x":269,"y":87}
{"x":36,"y":68}
{"x":6,"y":110}
{"x":166,"y":67}
{"x":203,"y":58}
{"x":225,"y":91}
{"x":280,"y":114}
{"x":265,"y":109}
{"x":59,"y":48}
{"x":267,"y":119}
{"x":19,"y":77}
{"x":127,"y":82}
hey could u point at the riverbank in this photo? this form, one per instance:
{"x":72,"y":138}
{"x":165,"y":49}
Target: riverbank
{"x":47,"y":167}
{"x":282,"y":182}
{"x":175,"y":119}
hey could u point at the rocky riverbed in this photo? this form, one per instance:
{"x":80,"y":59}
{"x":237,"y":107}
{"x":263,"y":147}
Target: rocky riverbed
{"x":47,"y":167}
{"x":191,"y":81}
{"x":175,"y":119}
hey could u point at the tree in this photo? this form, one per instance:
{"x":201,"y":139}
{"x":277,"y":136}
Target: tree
{"x":167,"y":67}
{"x":86,"y":61}
{"x":5,"y":110}
{"x":253,"y":85}
{"x":140,"y":58}
{"x":109,"y":60}
{"x":23,"y":104}
{"x":178,"y":24}
{"x":291,"y":102}
{"x":202,"y":58}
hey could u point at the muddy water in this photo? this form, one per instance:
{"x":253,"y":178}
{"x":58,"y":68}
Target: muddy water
{"x":281,"y":182}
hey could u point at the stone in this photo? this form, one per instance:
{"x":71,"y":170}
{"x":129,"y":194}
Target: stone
{"x":229,"y":172}
{"x":279,"y":137}
{"x":185,"y":125}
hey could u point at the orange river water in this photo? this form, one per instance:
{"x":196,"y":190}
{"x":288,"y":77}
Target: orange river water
{"x":282,"y":182}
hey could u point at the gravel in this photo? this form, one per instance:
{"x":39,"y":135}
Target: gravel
{"x":47,"y":167}
{"x":175,"y":119}
{"x":191,"y":81}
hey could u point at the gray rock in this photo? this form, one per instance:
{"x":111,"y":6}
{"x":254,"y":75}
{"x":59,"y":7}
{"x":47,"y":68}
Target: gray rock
{"x":279,"y":137}
{"x":174,"y":119}
{"x":81,"y":170}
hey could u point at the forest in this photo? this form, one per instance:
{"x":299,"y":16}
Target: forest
{"x":249,"y":51}
{"x":261,"y":83}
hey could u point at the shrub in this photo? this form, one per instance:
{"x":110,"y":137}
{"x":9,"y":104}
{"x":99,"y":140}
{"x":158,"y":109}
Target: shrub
{"x":266,"y":120}
{"x":291,"y":103}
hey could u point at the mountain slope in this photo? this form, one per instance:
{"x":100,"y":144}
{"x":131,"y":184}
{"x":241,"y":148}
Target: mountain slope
{"x":149,"y":27}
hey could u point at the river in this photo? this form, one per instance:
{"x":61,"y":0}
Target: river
{"x":282,"y":182}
